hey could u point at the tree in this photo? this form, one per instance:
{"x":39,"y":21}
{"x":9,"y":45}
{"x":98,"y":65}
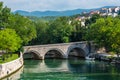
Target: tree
{"x":119,"y":12}
{"x":78,"y":31}
{"x":23,"y":26}
{"x":106,"y":33}
{"x":9,"y":40}
{"x":93,"y":19}
{"x":41,"y":33}
{"x":4,"y":15}
{"x":59,"y":30}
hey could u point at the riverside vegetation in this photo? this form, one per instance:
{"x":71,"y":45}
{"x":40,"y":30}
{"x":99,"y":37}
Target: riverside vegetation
{"x":8,"y":57}
{"x":17,"y":31}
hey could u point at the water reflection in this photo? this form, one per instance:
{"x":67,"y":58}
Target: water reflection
{"x":79,"y":66}
{"x":48,"y":65}
{"x":74,"y":69}
{"x":15,"y":76}
{"x":52,"y":63}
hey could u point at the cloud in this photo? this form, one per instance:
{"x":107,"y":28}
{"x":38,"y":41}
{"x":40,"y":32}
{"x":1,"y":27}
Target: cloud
{"x":42,"y":5}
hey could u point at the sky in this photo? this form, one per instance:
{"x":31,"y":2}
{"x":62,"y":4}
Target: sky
{"x":57,"y":5}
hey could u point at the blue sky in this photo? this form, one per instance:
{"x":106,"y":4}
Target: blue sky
{"x":57,"y":5}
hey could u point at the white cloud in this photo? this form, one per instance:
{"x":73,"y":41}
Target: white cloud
{"x":42,"y":5}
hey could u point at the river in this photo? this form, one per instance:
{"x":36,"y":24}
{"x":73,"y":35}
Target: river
{"x":54,"y":69}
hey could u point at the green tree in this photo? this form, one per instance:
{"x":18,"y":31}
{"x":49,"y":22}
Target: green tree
{"x":93,"y":19}
{"x":4,"y":15}
{"x":23,"y":26}
{"x":41,"y":33}
{"x":106,"y":33}
{"x":78,"y":31}
{"x":9,"y":40}
{"x":60,"y":31}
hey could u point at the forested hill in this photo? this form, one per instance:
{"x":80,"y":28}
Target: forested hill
{"x":56,"y":13}
{"x":52,"y":13}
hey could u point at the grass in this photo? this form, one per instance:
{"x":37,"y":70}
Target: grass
{"x":7,"y":58}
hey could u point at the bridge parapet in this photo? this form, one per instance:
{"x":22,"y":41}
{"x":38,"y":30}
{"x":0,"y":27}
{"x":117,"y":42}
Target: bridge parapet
{"x":60,"y":44}
{"x":63,"y":48}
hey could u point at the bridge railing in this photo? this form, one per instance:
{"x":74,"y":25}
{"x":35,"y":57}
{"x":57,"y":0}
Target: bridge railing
{"x":58,"y":44}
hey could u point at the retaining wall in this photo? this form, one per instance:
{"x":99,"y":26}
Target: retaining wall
{"x":10,"y":67}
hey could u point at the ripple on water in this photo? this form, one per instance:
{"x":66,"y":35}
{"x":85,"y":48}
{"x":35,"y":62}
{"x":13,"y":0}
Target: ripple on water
{"x":68,"y":70}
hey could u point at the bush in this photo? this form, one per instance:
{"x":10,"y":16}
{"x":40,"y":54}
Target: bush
{"x":7,"y":58}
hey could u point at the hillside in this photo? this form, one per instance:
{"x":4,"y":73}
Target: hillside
{"x":57,"y":13}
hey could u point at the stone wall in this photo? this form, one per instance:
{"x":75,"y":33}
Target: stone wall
{"x":63,"y":48}
{"x":10,"y":67}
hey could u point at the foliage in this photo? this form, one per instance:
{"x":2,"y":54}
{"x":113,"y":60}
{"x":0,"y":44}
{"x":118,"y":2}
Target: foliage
{"x":45,"y":18}
{"x":93,"y":19}
{"x":4,"y":15}
{"x":78,"y":31}
{"x":56,"y":31}
{"x":59,"y":30}
{"x":8,"y":57}
{"x":41,"y":33}
{"x":23,"y":26}
{"x":9,"y":40}
{"x":106,"y":32}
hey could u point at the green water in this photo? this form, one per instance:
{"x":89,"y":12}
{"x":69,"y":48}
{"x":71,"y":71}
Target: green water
{"x":67,"y":70}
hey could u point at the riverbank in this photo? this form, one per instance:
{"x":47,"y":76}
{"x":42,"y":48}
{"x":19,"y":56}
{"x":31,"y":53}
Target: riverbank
{"x":7,"y":69}
{"x":74,"y":69}
{"x":114,"y":59}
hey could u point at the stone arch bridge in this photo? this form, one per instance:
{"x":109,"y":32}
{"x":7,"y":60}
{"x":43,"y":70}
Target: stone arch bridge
{"x":63,"y":50}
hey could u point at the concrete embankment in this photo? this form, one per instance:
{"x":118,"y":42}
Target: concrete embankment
{"x":7,"y":69}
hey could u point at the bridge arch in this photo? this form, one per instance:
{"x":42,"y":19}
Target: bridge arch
{"x":76,"y":51}
{"x":54,"y":53}
{"x":62,"y":49}
{"x":32,"y":54}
